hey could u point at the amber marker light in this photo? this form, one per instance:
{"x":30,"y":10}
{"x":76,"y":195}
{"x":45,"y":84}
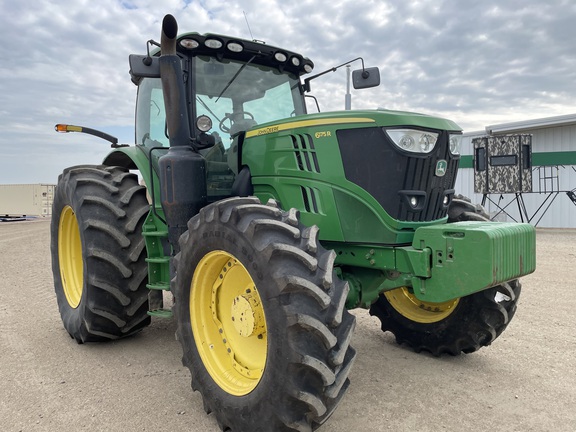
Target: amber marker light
{"x":67,"y":128}
{"x":71,"y":128}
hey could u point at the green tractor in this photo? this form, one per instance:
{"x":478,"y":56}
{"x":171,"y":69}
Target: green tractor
{"x":266,"y":224}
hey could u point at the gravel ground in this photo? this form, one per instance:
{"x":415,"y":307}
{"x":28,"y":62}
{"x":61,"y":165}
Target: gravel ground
{"x":525,"y":381}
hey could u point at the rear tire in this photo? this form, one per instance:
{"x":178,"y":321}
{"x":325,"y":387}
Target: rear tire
{"x":463,"y":325}
{"x":261,"y":318}
{"x":98,"y":253}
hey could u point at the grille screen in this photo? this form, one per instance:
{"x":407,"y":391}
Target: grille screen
{"x":375,"y":164}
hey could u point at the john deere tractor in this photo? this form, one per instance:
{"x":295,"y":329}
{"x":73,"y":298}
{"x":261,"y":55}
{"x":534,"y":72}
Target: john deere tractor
{"x":266,"y":224}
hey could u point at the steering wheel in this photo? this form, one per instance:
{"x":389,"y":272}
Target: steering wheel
{"x":230,"y":116}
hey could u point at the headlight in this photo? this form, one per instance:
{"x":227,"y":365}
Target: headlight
{"x":189,"y":43}
{"x":235,"y":47}
{"x":204,"y":123}
{"x":280,"y":56}
{"x":213,"y":43}
{"x":412,"y":140}
{"x":455,"y":140}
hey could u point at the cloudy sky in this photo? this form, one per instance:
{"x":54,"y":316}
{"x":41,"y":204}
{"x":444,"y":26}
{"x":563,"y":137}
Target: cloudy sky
{"x":476,"y":62}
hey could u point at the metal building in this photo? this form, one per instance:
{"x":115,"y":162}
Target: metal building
{"x":552,"y":199}
{"x":26,"y":200}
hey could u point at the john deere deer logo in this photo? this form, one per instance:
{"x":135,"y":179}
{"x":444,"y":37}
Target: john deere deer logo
{"x":441,"y":167}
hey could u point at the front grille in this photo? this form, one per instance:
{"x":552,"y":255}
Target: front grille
{"x":391,"y":176}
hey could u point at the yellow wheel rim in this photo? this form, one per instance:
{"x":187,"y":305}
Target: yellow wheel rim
{"x":228,"y":323}
{"x":70,"y":257}
{"x":416,"y":310}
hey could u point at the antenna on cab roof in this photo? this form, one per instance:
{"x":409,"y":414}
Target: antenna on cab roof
{"x":248,"y":24}
{"x":250,"y":30}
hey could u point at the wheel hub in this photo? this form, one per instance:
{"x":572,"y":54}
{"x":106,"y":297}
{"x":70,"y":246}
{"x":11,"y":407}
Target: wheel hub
{"x":247,"y":316}
{"x":228,"y":323}
{"x":408,"y":305}
{"x":70,"y":257}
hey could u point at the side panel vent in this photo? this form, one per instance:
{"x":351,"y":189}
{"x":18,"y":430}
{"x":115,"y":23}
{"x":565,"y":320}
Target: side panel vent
{"x":305,"y":153}
{"x":310,"y":199}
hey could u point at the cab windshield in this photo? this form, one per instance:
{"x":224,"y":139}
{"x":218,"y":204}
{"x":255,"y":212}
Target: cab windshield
{"x":237,"y":96}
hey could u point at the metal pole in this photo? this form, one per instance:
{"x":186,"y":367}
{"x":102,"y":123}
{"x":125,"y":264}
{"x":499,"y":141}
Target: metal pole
{"x":348,"y":96}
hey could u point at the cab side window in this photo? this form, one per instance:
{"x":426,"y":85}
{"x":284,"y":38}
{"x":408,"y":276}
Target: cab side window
{"x":151,"y":115}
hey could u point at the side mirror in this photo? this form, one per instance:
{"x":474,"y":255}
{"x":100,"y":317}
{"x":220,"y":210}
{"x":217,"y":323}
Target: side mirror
{"x":366,"y":78}
{"x":143,"y":66}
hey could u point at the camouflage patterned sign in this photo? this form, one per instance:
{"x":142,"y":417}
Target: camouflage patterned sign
{"x":480,"y":176}
{"x":502,"y":164}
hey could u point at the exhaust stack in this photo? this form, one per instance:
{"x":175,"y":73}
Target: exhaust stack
{"x":182,"y":168}
{"x":173,"y":85}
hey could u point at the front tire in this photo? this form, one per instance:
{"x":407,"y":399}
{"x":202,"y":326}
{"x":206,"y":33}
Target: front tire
{"x":461,"y":325}
{"x":98,"y":253}
{"x":261,"y":318}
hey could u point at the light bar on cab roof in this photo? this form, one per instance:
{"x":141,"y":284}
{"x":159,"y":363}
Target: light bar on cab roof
{"x":242,"y":50}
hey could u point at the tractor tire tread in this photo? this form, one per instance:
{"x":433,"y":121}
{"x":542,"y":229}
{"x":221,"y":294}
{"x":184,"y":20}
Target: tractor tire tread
{"x":110,"y":207}
{"x":318,"y":328}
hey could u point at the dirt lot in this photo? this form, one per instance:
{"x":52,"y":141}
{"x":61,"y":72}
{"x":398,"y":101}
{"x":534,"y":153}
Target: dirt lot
{"x":526,"y":381}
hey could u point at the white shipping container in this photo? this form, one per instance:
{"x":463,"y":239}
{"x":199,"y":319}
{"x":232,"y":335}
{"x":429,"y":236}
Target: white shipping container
{"x":26,"y":199}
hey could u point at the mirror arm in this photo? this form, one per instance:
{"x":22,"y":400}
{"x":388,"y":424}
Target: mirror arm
{"x":333,"y":69}
{"x":148,"y":59}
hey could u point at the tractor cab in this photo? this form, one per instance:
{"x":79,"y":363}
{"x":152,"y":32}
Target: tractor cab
{"x":231,"y":85}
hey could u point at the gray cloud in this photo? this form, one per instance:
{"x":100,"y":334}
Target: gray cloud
{"x":477,"y":63}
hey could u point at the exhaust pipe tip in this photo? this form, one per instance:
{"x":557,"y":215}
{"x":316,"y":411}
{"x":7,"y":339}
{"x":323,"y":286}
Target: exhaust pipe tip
{"x":168,"y":37}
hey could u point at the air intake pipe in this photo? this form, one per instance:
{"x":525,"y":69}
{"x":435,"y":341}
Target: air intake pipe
{"x":182,"y":169}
